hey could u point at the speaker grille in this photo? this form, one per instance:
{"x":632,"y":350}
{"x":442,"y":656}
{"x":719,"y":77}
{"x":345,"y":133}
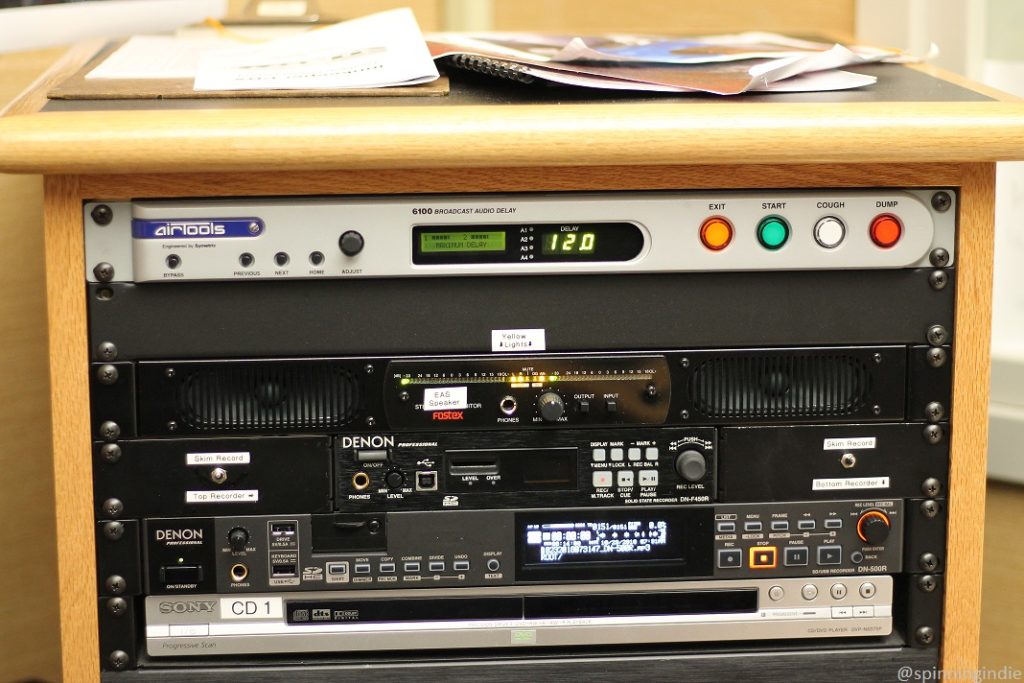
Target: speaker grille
{"x":273,"y":396}
{"x":761,"y":386}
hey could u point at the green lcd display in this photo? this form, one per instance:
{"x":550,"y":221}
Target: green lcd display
{"x":462,"y":242}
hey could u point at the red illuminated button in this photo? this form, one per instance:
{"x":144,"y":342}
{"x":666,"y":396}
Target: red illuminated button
{"x":716,"y":233}
{"x":763,"y":557}
{"x":886,"y":230}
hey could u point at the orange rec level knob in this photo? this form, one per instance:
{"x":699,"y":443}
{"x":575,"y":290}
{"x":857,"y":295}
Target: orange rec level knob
{"x":873,"y":527}
{"x":716,"y":233}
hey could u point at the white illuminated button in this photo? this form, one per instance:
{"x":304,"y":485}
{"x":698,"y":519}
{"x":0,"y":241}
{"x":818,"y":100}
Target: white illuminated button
{"x":189,"y":630}
{"x":634,"y":454}
{"x":617,"y":454}
{"x":829,"y":232}
{"x":625,"y":478}
{"x":651,"y":454}
{"x":602,"y":479}
{"x":648,"y":477}
{"x":599,"y":455}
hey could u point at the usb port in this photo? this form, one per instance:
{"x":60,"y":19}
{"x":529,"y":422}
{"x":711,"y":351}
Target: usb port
{"x":426,"y":481}
{"x":283,"y":570}
{"x":279,"y":529}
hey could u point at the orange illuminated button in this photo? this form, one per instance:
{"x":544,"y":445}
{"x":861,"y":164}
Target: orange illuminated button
{"x":763,"y":557}
{"x":716,"y":233}
{"x":886,"y":230}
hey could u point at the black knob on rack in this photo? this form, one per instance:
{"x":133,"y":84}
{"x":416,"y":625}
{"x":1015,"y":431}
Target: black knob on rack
{"x":551,"y":406}
{"x":691,"y":465}
{"x":873,"y":527}
{"x":238,"y":538}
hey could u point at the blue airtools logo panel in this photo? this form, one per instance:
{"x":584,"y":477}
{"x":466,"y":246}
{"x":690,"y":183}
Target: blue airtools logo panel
{"x":197,"y":228}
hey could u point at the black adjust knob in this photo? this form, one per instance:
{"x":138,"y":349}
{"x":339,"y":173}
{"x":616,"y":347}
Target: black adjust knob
{"x":551,"y":406}
{"x":873,"y":527}
{"x":691,"y":465}
{"x":394,"y":479}
{"x":238,"y":538}
{"x":351,"y":243}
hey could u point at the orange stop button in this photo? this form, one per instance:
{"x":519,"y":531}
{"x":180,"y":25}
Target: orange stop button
{"x":886,"y":230}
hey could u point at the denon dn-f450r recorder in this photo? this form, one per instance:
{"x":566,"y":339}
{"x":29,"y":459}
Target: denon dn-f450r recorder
{"x":522,"y":436}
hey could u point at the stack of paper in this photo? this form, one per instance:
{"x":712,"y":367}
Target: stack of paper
{"x":387,"y":49}
{"x":723,"y":65}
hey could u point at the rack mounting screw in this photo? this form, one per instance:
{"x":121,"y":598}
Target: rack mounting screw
{"x":107,"y":351}
{"x":925,"y":635}
{"x":111,"y":452}
{"x":113,"y":530}
{"x":934,"y":411}
{"x":927,"y":583}
{"x":107,"y":374}
{"x":928,"y":562}
{"x":941,"y":201}
{"x":110,"y":430}
{"x":102,"y":214}
{"x":936,"y":357}
{"x":118,"y":660}
{"x":112,"y":507}
{"x":933,"y":434}
{"x":937,"y":335}
{"x":115,"y":584}
{"x":929,"y":509}
{"x":931,"y":487}
{"x":117,"y":606}
{"x":104,"y":272}
{"x":938,"y":280}
{"x":939,"y":257}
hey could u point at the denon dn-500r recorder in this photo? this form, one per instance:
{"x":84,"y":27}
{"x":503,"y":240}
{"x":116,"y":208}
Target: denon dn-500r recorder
{"x":521,"y":435}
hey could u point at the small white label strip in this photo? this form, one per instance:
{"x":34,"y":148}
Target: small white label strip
{"x":518,"y":340}
{"x":850,"y":484}
{"x":251,"y":608}
{"x":446,"y":398}
{"x":849,"y":444}
{"x":236,"y":496}
{"x":235,"y":458}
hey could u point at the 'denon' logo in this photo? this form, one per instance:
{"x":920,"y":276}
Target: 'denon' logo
{"x":375,"y":441}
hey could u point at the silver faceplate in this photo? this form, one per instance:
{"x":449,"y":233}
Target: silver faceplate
{"x":184,"y":625}
{"x":669,"y":221}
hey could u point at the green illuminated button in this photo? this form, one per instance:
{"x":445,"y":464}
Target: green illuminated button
{"x":772,"y":232}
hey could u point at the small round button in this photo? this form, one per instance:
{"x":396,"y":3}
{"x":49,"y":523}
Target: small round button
{"x":246,"y":259}
{"x":716,"y":233}
{"x":773,"y":232}
{"x":867,"y":590}
{"x":316,"y":258}
{"x":351,"y":243}
{"x":886,"y":230}
{"x":809,"y":591}
{"x":173,"y":261}
{"x":493,"y":565}
{"x":776,"y":593}
{"x":281,"y":258}
{"x":838,"y":591}
{"x":829,"y":232}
